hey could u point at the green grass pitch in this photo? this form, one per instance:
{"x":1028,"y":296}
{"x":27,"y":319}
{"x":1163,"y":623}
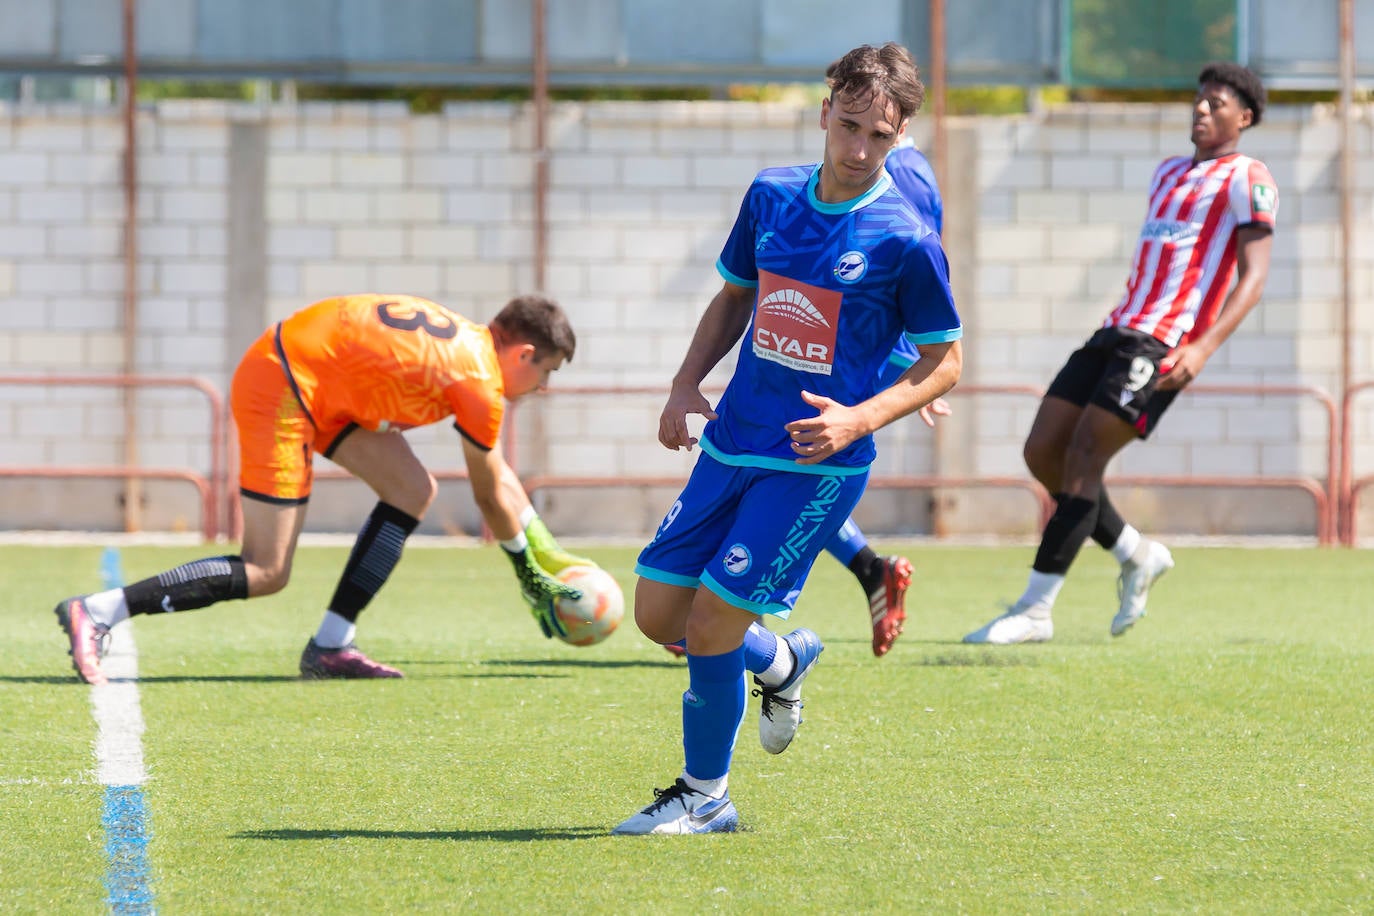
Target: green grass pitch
{"x":1219,"y":758}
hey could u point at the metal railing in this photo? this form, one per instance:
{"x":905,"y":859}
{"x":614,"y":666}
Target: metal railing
{"x":1350,"y":486}
{"x":210,"y":489}
{"x":1325,"y":499}
{"x":1043,"y":500}
{"x":1335,"y":502}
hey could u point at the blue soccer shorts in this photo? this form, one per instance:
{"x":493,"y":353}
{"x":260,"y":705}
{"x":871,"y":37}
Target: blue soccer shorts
{"x":750,"y":534}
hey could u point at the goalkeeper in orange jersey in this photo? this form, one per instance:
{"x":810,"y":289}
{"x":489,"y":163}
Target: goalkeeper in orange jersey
{"x":343,"y":378}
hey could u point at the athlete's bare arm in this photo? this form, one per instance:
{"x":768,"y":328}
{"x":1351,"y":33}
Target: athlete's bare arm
{"x":497,"y":490}
{"x":836,"y":425}
{"x":720,"y":327}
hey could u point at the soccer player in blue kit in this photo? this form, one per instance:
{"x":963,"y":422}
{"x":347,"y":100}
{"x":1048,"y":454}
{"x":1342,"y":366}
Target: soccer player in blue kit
{"x":827,"y":266}
{"x":885,"y":579}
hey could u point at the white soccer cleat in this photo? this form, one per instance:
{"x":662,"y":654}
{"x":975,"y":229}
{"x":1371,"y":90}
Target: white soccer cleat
{"x":1133,"y":585}
{"x":1015,"y":626}
{"x":680,"y":809}
{"x":781,"y":705}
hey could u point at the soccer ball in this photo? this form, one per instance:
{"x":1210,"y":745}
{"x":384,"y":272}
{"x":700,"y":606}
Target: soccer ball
{"x":597,"y":613}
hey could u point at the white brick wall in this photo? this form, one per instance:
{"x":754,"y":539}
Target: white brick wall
{"x":368,"y":197}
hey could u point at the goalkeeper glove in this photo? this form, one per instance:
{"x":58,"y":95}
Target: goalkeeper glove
{"x":546,"y":551}
{"x":540,"y":591}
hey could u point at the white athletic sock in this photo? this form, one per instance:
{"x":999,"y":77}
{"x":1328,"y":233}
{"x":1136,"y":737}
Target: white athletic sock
{"x":107,"y":608}
{"x":782,"y":665}
{"x":1125,"y":545}
{"x":1041,"y":590}
{"x":712,"y":787}
{"x":335,"y":632}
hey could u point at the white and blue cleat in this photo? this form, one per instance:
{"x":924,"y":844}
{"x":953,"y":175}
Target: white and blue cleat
{"x":780,"y":713}
{"x":681,"y":809}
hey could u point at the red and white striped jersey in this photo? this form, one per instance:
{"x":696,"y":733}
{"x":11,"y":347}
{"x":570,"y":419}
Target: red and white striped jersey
{"x":1185,"y":259}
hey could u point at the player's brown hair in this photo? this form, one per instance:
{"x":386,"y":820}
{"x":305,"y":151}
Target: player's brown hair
{"x":869,"y":73}
{"x":538,"y":320}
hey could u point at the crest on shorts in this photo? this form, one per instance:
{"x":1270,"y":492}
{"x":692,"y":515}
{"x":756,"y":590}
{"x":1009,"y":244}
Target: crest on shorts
{"x":737,"y":560}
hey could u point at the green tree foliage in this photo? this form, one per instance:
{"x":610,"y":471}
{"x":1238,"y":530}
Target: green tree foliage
{"x":1148,"y":43}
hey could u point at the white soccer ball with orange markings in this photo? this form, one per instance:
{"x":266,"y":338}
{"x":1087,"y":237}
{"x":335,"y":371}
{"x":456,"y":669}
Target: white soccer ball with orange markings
{"x":597,"y":613}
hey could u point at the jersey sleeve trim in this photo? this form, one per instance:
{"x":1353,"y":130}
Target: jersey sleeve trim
{"x":469,"y":437}
{"x":934,"y":337}
{"x":734,"y":278}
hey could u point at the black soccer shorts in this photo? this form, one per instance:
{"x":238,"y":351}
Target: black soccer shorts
{"x":1118,"y":370}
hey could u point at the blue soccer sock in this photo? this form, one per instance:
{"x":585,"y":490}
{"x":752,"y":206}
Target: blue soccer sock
{"x":712,"y":710}
{"x":760,"y":648}
{"x":847,"y":542}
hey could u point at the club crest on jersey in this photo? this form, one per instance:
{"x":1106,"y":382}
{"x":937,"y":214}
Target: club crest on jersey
{"x":851,"y":267}
{"x":737,"y":560}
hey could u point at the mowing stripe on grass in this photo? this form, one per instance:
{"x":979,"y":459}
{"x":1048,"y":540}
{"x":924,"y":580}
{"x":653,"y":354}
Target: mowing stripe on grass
{"x":119,"y":768}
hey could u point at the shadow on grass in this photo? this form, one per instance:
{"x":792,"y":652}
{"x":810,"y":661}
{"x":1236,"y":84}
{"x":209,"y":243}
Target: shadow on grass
{"x":505,"y":836}
{"x":521,"y":668}
{"x":667,"y":662}
{"x":42,"y":679}
{"x":164,"y":679}
{"x":976,"y":659}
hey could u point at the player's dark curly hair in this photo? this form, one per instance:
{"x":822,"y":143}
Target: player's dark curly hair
{"x":868,"y":73}
{"x":537,"y":320}
{"x":1243,"y":81}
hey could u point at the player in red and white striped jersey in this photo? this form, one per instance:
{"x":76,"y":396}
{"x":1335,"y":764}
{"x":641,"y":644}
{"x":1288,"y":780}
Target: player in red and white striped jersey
{"x":1210,"y":222}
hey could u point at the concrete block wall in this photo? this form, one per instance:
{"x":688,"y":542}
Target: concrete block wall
{"x":247,"y":213}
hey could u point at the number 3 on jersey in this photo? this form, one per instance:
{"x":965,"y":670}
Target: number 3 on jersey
{"x":393,"y":315}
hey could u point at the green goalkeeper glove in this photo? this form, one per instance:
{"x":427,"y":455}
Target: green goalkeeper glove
{"x":546,"y":550}
{"x":540,"y":590}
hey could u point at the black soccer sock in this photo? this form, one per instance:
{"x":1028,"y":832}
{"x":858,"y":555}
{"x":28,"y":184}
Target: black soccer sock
{"x":1110,"y":524}
{"x":1065,"y":532}
{"x":375,"y":555}
{"x":867,"y":567}
{"x":193,"y":585}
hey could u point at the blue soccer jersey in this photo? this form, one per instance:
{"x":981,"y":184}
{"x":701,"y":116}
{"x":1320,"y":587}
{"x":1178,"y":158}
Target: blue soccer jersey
{"x":838,"y":285}
{"x":914,"y":177}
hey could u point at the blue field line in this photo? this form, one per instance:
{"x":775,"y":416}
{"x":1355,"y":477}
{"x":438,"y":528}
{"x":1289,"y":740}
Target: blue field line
{"x":128,"y":884}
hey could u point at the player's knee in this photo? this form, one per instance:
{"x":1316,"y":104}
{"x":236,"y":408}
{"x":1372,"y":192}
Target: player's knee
{"x":1041,"y":460}
{"x":655,"y":624}
{"x":266,"y":580}
{"x":1085,"y":457}
{"x":416,"y":495}
{"x":429,"y":492}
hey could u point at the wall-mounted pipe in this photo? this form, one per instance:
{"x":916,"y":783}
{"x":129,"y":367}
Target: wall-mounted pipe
{"x":133,"y":487}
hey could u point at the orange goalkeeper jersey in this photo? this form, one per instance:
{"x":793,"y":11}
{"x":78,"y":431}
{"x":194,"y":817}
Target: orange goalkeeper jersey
{"x":392,"y":362}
